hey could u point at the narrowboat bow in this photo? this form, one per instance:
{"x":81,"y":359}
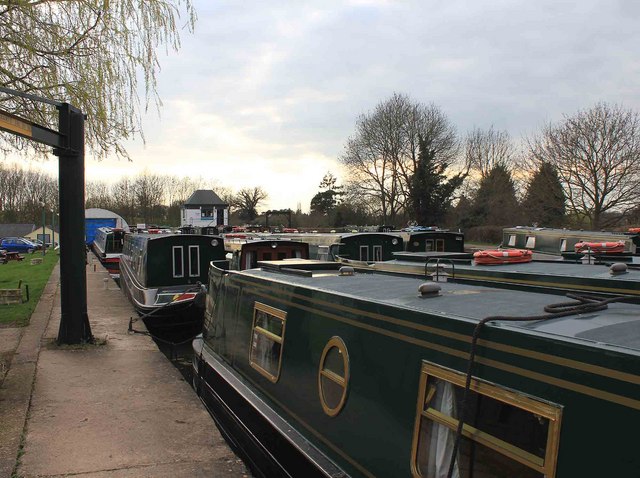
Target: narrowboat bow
{"x":107,"y":246}
{"x":165,"y":275}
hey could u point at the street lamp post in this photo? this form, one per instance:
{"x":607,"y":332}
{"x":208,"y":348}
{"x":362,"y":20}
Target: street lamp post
{"x":44,"y":244}
{"x":53,"y":229}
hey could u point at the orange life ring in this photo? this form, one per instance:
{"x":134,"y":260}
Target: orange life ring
{"x":634,"y":230}
{"x":600,"y":247}
{"x":502,"y":256}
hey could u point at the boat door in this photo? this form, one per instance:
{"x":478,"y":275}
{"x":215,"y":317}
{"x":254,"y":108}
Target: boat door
{"x":364,"y":253}
{"x":377,"y":253}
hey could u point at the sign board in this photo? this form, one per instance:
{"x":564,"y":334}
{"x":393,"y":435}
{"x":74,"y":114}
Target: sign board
{"x":13,"y":124}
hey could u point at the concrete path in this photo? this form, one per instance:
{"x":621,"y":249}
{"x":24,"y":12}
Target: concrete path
{"x":119,"y":409}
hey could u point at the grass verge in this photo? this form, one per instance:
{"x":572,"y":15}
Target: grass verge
{"x":35,"y":276}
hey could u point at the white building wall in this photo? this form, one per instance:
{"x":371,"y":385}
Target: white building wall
{"x":192,"y":217}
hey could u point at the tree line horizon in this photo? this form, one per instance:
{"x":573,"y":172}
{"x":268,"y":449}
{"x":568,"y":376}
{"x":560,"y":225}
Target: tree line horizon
{"x":405,"y":163}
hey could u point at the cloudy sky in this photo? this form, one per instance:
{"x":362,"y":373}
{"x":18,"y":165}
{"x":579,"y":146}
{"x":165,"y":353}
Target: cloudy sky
{"x":267,"y":93}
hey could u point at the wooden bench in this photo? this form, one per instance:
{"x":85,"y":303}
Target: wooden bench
{"x":10,"y":296}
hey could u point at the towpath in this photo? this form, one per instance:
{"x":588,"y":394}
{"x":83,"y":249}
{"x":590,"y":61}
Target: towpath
{"x":118,"y":409}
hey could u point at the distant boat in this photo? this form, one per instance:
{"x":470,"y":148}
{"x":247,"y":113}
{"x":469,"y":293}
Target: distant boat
{"x":107,"y":246}
{"x":378,"y":246}
{"x":312,"y":369}
{"x":557,"y":277}
{"x":563,"y":241}
{"x":165,"y":276}
{"x":246,"y":253}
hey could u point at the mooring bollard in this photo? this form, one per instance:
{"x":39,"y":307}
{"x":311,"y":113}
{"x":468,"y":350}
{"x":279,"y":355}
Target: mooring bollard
{"x":106,"y":283}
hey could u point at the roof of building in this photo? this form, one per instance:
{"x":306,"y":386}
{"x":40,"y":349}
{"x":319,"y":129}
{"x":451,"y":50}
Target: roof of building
{"x":98,"y":213}
{"x":16,"y":230}
{"x":204,"y":197}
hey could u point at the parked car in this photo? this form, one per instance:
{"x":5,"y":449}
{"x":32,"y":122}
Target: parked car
{"x":18,"y":244}
{"x":39,"y":243}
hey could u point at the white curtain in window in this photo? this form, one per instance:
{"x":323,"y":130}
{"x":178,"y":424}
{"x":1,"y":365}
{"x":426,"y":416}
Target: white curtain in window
{"x":442,"y":438}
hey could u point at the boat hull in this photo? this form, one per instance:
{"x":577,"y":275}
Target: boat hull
{"x":264,"y":439}
{"x":180,"y":315}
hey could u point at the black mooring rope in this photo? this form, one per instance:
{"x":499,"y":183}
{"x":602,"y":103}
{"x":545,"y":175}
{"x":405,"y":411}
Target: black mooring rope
{"x":582,"y":304}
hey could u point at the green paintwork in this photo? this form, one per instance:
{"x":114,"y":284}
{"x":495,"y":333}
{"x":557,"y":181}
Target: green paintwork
{"x":373,"y":434}
{"x":151,"y":257}
{"x":437,"y":241}
{"x":370,"y":246}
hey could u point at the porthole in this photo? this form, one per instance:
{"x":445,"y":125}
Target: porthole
{"x":333,"y":376}
{"x":214,"y":242}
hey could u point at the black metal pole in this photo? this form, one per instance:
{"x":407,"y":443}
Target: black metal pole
{"x":74,"y":320}
{"x":44,"y":219}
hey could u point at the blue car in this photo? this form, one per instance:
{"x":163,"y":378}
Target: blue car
{"x":18,"y":244}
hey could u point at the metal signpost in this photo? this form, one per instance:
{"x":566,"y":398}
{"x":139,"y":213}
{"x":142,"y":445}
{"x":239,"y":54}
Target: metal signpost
{"x":68,"y":144}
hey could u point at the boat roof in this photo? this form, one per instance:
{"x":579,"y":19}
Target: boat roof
{"x":616,"y":327}
{"x":571,"y":232}
{"x":548,"y":268}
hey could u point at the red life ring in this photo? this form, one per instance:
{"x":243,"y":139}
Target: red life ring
{"x":600,"y":247}
{"x":634,"y":230}
{"x":502,"y":256}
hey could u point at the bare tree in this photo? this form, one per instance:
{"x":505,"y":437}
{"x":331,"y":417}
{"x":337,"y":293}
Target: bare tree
{"x":484,"y":150}
{"x":98,"y":194}
{"x":124,"y":199}
{"x":92,"y":54}
{"x":22,"y":193}
{"x":246,"y":202}
{"x":596,"y":153}
{"x":148,"y":190}
{"x":382,"y":155}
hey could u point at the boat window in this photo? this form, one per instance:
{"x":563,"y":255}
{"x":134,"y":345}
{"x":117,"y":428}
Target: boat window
{"x":266,"y":256}
{"x":282,"y":255}
{"x":267,"y":340}
{"x":249,"y":260}
{"x":178,"y":261}
{"x":440,"y":245}
{"x":563,"y":245}
{"x":377,"y":253}
{"x":512,"y":240}
{"x":531,"y":242}
{"x":364,"y":253}
{"x":194,"y":261}
{"x":333,"y":376}
{"x":428,"y":245}
{"x":506,"y":433}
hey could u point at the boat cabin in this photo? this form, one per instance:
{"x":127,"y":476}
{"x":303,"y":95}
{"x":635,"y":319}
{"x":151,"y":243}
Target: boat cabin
{"x":316,"y":369}
{"x":437,"y":240}
{"x":561,"y":241}
{"x":367,"y":246}
{"x":246,"y":254}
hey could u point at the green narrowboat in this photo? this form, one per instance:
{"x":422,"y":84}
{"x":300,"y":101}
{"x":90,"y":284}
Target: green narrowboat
{"x":165,"y":276}
{"x":107,"y":246}
{"x":561,"y":241}
{"x":367,"y":246}
{"x":312,"y":369}
{"x":436,"y":240}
